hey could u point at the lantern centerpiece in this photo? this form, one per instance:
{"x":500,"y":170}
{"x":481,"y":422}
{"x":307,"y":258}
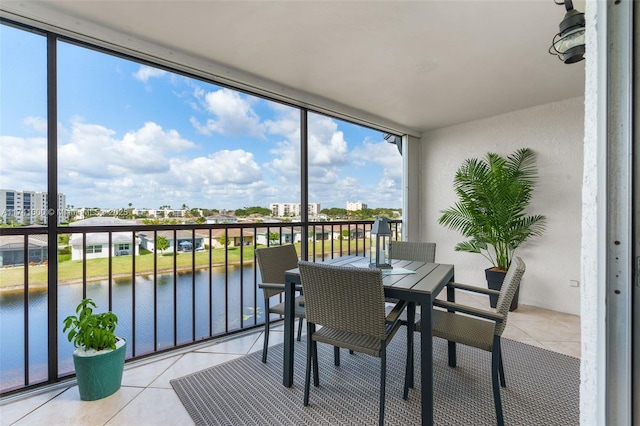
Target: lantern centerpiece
{"x":379,"y":244}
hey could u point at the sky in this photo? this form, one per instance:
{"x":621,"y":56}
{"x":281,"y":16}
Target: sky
{"x":131,"y":134}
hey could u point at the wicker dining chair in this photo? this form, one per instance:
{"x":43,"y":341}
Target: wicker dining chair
{"x":482,"y":330}
{"x":272,"y":263}
{"x":407,"y":250}
{"x":416,"y":251}
{"x":348,"y":304}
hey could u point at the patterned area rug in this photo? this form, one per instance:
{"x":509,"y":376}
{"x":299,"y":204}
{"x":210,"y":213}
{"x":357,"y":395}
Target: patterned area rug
{"x":542,"y":389}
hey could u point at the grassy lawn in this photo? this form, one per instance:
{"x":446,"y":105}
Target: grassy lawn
{"x":71,"y":270}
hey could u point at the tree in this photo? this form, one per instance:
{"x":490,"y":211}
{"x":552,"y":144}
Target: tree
{"x":335,"y":213}
{"x":255,"y":210}
{"x":493,"y":199}
{"x":224,"y":240}
{"x":274,"y":237}
{"x":162,"y":243}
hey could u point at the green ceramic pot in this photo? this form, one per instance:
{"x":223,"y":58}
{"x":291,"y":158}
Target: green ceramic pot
{"x":99,"y":375}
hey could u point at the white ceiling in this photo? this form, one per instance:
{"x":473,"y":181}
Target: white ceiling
{"x":418,"y":65}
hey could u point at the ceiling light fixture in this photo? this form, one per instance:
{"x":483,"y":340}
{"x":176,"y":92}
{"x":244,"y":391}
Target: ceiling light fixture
{"x":568,"y":44}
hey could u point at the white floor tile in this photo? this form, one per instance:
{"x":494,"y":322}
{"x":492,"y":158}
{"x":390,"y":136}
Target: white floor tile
{"x":13,"y":411}
{"x":153,"y":407}
{"x":190,"y":363}
{"x":68,"y":410}
{"x":240,"y":345}
{"x":144,"y":375}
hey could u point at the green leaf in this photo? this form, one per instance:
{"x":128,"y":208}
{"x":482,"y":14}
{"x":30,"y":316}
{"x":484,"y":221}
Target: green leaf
{"x":90,"y":330}
{"x":493,"y":197}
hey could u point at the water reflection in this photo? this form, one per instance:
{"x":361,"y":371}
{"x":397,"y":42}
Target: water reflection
{"x":213,"y":310}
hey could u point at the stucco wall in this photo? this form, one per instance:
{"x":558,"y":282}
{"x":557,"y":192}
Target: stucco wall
{"x":555,"y":132}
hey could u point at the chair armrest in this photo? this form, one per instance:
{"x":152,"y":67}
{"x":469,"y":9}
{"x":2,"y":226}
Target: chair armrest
{"x":395,"y":313}
{"x":493,"y":316}
{"x":474,"y":289}
{"x":271,"y":286}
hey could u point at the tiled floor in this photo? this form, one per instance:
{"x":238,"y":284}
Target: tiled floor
{"x":147,"y":398}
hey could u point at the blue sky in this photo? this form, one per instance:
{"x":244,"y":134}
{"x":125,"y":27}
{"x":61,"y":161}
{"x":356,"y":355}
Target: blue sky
{"x":129,"y":133}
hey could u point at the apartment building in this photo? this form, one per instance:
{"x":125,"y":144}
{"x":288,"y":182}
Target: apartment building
{"x":356,"y":206}
{"x":292,"y":209}
{"x":29,"y":207}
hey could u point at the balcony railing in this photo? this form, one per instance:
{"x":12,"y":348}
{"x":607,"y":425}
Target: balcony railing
{"x":170,"y":285}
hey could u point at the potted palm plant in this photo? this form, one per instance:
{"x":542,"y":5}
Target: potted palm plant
{"x":99,"y":355}
{"x":493,"y":196}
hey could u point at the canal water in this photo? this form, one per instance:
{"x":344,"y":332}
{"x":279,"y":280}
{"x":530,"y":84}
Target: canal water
{"x":229,"y":311}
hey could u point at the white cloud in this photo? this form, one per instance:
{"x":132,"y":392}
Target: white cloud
{"x":328,"y":150}
{"x":326,"y":143}
{"x":23,"y":163}
{"x":219,"y":168}
{"x":97,"y":168}
{"x":93,"y":150}
{"x":381,"y":153}
{"x":388,"y":186}
{"x":145,"y":72}
{"x":39,"y":124}
{"x":233,"y":113}
{"x":287,"y":124}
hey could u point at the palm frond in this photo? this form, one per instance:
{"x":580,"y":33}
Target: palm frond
{"x":493,"y":196}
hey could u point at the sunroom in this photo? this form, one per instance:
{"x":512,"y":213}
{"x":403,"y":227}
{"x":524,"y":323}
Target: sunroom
{"x":451,"y":80}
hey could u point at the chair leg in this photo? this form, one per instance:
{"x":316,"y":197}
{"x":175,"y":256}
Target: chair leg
{"x":300,"y":329}
{"x":316,"y":373}
{"x":383,"y":382}
{"x":503,"y":382}
{"x":265,"y":346}
{"x":495,"y":367}
{"x":307,"y":376}
{"x":408,"y":373}
{"x":336,"y":356}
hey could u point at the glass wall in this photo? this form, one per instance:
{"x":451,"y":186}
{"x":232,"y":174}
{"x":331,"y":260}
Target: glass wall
{"x":136,"y":139}
{"x":142,"y":146}
{"x":353,"y":168}
{"x":23,"y":187}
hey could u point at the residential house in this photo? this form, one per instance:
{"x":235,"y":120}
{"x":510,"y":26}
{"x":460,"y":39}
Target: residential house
{"x":97,"y":244}
{"x":183,"y":240}
{"x":237,"y":237}
{"x":12,"y":250}
{"x":222,"y":218}
{"x":275,"y":236}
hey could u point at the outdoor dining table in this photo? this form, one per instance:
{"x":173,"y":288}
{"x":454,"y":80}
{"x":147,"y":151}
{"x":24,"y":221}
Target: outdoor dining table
{"x":418,"y":287}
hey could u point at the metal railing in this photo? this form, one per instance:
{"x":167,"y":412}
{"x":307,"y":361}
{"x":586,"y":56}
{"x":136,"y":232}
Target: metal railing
{"x":170,"y":285}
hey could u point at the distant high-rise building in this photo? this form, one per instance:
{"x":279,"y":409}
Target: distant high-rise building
{"x":355,"y":206}
{"x":293,"y":209}
{"x":29,"y":207}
